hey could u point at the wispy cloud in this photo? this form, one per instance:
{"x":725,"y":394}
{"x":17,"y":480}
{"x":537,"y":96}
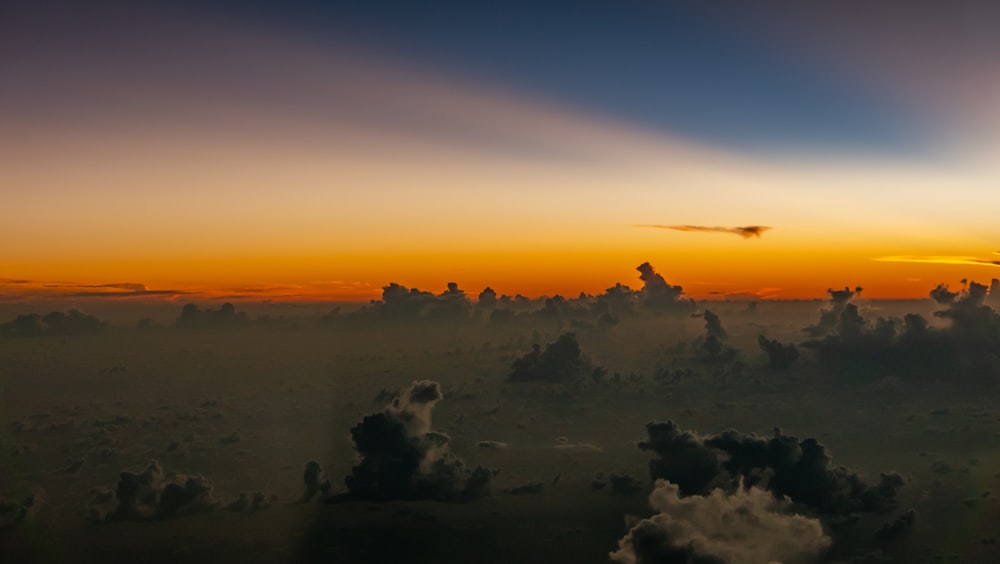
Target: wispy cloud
{"x":940,"y":259}
{"x":746,"y":232}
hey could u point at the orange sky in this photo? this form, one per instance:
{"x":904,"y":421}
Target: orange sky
{"x":421,"y":177}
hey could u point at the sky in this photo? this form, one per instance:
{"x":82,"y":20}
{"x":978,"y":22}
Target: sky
{"x":320,"y":150}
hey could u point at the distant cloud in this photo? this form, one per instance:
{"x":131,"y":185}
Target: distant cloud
{"x":940,"y":259}
{"x":746,"y":232}
{"x":31,"y":289}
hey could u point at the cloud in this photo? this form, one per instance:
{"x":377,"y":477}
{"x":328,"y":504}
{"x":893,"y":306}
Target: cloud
{"x":154,"y":494}
{"x":657,"y":294}
{"x":561,"y":361}
{"x":747,"y":232}
{"x":940,"y":259}
{"x":402,"y":458}
{"x":73,"y":322}
{"x":800,"y":470}
{"x":747,"y":525}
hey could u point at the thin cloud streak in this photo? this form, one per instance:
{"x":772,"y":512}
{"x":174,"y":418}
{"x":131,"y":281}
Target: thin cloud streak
{"x":940,"y":259}
{"x":746,"y":232}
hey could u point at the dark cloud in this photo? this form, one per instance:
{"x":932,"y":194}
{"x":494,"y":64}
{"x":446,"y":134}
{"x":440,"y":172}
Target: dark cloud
{"x":193,"y":317}
{"x":402,"y":303}
{"x":621,"y":484}
{"x":683,"y":459}
{"x":402,"y":458}
{"x":898,"y":527}
{"x":712,"y":346}
{"x":746,"y":232}
{"x":14,"y":513}
{"x":745,"y":525}
{"x":779,"y":356}
{"x":561,"y":361}
{"x":910,"y":346}
{"x":801,"y":470}
{"x":314,"y":481}
{"x":659,"y":296}
{"x":154,"y":494}
{"x":828,"y":318}
{"x":56,"y":323}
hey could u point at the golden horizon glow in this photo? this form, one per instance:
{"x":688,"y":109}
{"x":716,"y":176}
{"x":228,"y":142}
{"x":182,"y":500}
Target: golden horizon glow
{"x":419,"y":177}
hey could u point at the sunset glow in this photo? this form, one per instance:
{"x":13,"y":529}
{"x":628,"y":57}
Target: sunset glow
{"x":249,"y":161}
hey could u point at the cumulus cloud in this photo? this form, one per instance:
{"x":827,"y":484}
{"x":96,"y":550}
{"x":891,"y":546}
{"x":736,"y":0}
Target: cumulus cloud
{"x":72,"y":322}
{"x":194,"y":317}
{"x":659,"y":296}
{"x":779,"y":356}
{"x":14,"y":513}
{"x":911,"y":346}
{"x":747,"y":525}
{"x":155,"y":494}
{"x":561,"y":361}
{"x":801,"y":470}
{"x":747,"y":232}
{"x":402,"y":458}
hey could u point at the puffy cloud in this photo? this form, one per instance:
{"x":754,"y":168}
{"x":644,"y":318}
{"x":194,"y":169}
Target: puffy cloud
{"x":194,"y":317}
{"x":561,"y":361}
{"x":801,"y":470}
{"x":152,"y":494}
{"x":402,"y":458}
{"x":13,"y":513}
{"x":746,"y":525}
{"x":155,"y":494}
{"x":659,"y":296}
{"x":779,"y":356}
{"x":73,"y":322}
{"x":684,"y":459}
{"x":898,"y":527}
{"x":910,"y":346}
{"x":712,"y":346}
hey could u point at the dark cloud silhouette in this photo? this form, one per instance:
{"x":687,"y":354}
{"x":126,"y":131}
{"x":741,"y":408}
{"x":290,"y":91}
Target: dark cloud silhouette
{"x":152,"y":494}
{"x":193,"y":317}
{"x":487,"y":298}
{"x":712,"y":346}
{"x":400,"y":303}
{"x":14,"y":513}
{"x":745,"y":525}
{"x":898,"y":527}
{"x":746,"y":232}
{"x":402,"y":458}
{"x":910,"y":346}
{"x":621,"y":484}
{"x":659,"y":296}
{"x":801,"y":470}
{"x":314,"y":481}
{"x":56,"y":323}
{"x":829,"y":317}
{"x":779,"y":356}
{"x":561,"y":361}
{"x":683,"y":459}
